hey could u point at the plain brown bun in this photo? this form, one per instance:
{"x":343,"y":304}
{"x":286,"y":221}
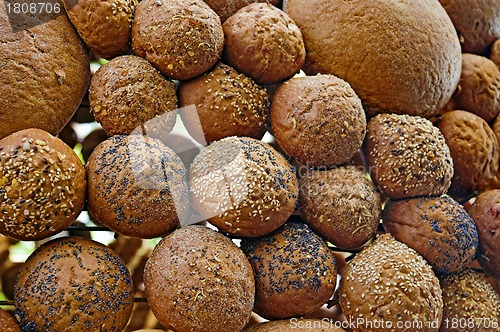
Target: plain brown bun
{"x":7,"y":322}
{"x":318,"y":120}
{"x":44,"y":71}
{"x":73,"y":284}
{"x":387,"y":53}
{"x":262,"y":42}
{"x":183,"y":39}
{"x":243,"y":186}
{"x":341,"y":205}
{"x":438,"y":228}
{"x":223,"y":103}
{"x":471,"y":301}
{"x":294,"y":271}
{"x":407,"y":156}
{"x":389,"y":281}
{"x":42,"y":185}
{"x":495,"y":53}
{"x":93,"y":139}
{"x":295,"y":325}
{"x":226,"y":8}
{"x":198,"y":280}
{"x":477,"y":23}
{"x":486,"y":213}
{"x":474,"y":149}
{"x":128,"y":95}
{"x":107,"y":31}
{"x":137,"y":186}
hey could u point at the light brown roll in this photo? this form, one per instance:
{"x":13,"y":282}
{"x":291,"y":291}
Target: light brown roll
{"x":7,"y":322}
{"x":296,"y":325}
{"x":495,"y":53}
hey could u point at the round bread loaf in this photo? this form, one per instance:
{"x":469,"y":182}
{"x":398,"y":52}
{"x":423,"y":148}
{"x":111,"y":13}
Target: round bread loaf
{"x":438,"y":228}
{"x":389,"y":282}
{"x":107,"y":31}
{"x":243,"y":186}
{"x":318,"y":120}
{"x":296,"y":325}
{"x":227,"y":8}
{"x":73,"y":284}
{"x":42,"y":185}
{"x":486,"y":213}
{"x":341,"y":205}
{"x":128,"y":95}
{"x":137,"y":186}
{"x":183,"y":39}
{"x":407,"y":156}
{"x":495,"y":53}
{"x":263,"y":43}
{"x":478,"y":91}
{"x":474,"y":149}
{"x":294,"y":271}
{"x":477,"y":23}
{"x":198,"y":280}
{"x":470,"y":303}
{"x":7,"y":322}
{"x":223,"y":103}
{"x":44,"y":70}
{"x":385,"y":51}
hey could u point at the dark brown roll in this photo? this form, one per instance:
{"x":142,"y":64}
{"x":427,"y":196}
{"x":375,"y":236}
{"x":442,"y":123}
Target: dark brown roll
{"x":294,"y":271}
{"x":198,"y":280}
{"x":318,"y":120}
{"x":73,"y":284}
{"x":91,"y":141}
{"x":183,"y":39}
{"x":407,"y":156}
{"x":42,"y":186}
{"x":486,"y":213}
{"x":226,"y":8}
{"x":296,"y":325}
{"x":243,"y":186}
{"x":223,"y":103}
{"x":388,"y":282}
{"x":438,"y":228}
{"x":262,"y":42}
{"x":137,"y":186}
{"x":7,"y":322}
{"x":341,"y":205}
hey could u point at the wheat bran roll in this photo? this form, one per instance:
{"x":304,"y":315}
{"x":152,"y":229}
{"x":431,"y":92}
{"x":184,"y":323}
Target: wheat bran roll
{"x":389,"y":281}
{"x":183,"y":39}
{"x":45,"y":71}
{"x":42,"y":185}
{"x":7,"y":322}
{"x":75,"y":284}
{"x":198,"y":280}
{"x":385,"y":51}
{"x":295,"y":325}
{"x":128,"y":95}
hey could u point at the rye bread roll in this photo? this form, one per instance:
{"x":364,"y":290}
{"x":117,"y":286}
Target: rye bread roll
{"x":295,"y":325}
{"x":8,"y":323}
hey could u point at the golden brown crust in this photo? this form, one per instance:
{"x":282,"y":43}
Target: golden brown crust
{"x":401,"y":68}
{"x":226,"y":103}
{"x":495,"y":53}
{"x":183,"y":39}
{"x":73,"y":284}
{"x":137,"y":186}
{"x":294,"y":271}
{"x":318,"y":120}
{"x":44,"y":75}
{"x":198,"y":280}
{"x":243,"y":186}
{"x":42,"y":185}
{"x":7,"y":322}
{"x":128,"y":95}
{"x":263,"y":43}
{"x":104,"y":26}
{"x":295,"y":325}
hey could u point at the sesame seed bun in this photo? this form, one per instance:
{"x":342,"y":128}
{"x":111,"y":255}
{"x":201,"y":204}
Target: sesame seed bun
{"x":7,"y":322}
{"x":296,"y":325}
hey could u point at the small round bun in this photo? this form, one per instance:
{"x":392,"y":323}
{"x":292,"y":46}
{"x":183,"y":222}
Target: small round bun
{"x":263,"y":43}
{"x":295,"y":325}
{"x":341,"y":205}
{"x":468,"y":297}
{"x":438,"y":228}
{"x":243,"y":186}
{"x":198,"y":280}
{"x":227,"y":8}
{"x":128,"y":95}
{"x":183,"y":39}
{"x":495,"y":53}
{"x":137,"y":186}
{"x":225,"y":103}
{"x":7,"y":322}
{"x":407,"y":156}
{"x":390,"y":282}
{"x":486,"y":213}
{"x":294,"y":271}
{"x":73,"y":284}
{"x":107,"y":31}
{"x":42,"y":185}
{"x":318,"y":120}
